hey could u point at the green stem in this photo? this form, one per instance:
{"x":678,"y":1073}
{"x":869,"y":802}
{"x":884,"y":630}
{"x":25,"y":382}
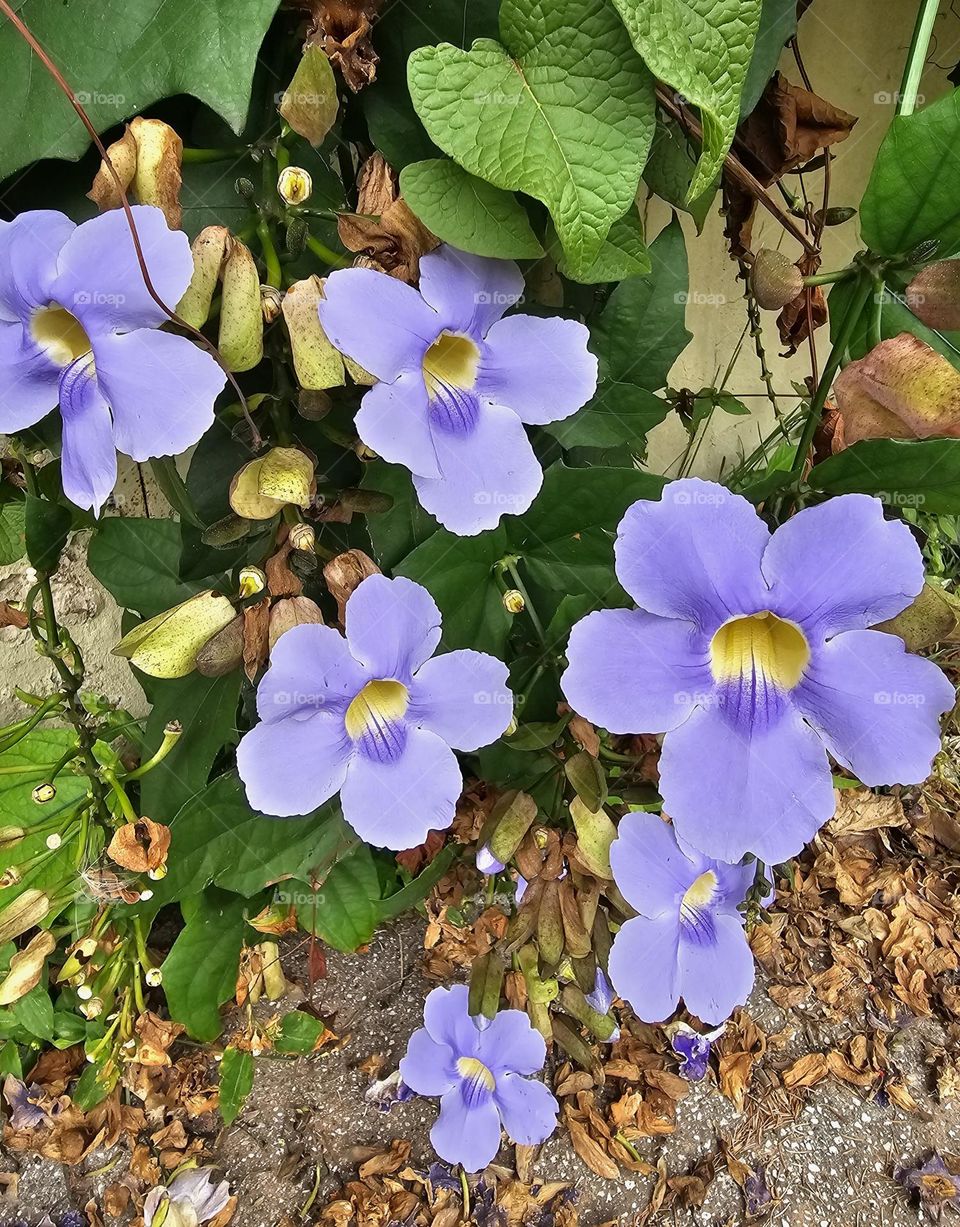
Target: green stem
{"x":324,"y":253}
{"x":840,"y":274}
{"x":170,"y":738}
{"x":273,"y":274}
{"x":511,"y":570}
{"x":917,"y":56}
{"x":857,"y":303}
{"x":126,"y":805}
{"x":197,"y":156}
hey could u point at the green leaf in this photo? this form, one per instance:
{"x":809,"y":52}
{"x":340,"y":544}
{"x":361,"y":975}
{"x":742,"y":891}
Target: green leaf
{"x":670,"y":170}
{"x":34,"y":1013}
{"x":639,"y":335}
{"x":778,"y":24}
{"x":911,"y":196}
{"x":13,"y":544}
{"x":136,"y":561}
{"x":93,"y":1086}
{"x":155,"y":49}
{"x":299,"y":1032}
{"x":206,"y":707}
{"x":458,"y":572}
{"x":200,"y":972}
{"x":218,"y":838}
{"x":563,"y":111}
{"x":468,"y":212}
{"x":46,"y":526}
{"x":394,"y":533}
{"x":236,"y":1082}
{"x":343,"y":909}
{"x":416,"y":891}
{"x":623,"y":253}
{"x":702,"y":48}
{"x":902,"y":473}
{"x":10,"y":1062}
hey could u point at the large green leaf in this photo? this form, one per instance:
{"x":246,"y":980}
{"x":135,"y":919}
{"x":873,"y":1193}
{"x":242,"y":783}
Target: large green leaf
{"x":912,"y":195}
{"x":13,"y":543}
{"x":637,"y":338}
{"x":200,"y":972}
{"x":562,"y":110}
{"x":206,"y":708}
{"x":623,"y":253}
{"x":468,"y":212}
{"x":343,"y":908}
{"x":458,"y":571}
{"x":46,"y":526}
{"x":120,"y":57}
{"x":136,"y":561}
{"x":218,"y":838}
{"x":904,"y":473}
{"x":670,"y":170}
{"x":778,"y":23}
{"x":702,"y":48}
{"x":394,"y":533}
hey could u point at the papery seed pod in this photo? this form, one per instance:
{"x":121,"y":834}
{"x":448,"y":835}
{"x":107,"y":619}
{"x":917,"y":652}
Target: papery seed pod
{"x":588,"y":779}
{"x":529,"y":857}
{"x":576,"y":936}
{"x":167,"y":645}
{"x":573,"y":1001}
{"x":289,"y":612}
{"x":509,"y":821}
{"x":550,"y":927}
{"x":486,"y":982}
{"x":226,"y":532}
{"x":595,"y":834}
{"x":345,"y":573}
{"x":775,"y":281}
{"x":295,"y":185}
{"x":296,"y":237}
{"x":10,"y":836}
{"x":224,"y":652}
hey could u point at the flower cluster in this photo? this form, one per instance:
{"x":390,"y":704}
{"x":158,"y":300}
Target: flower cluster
{"x":373,"y":717}
{"x":457,"y":381}
{"x":78,"y":327}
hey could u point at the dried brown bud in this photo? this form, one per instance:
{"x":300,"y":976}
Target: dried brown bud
{"x":345,"y":573}
{"x":775,"y":281}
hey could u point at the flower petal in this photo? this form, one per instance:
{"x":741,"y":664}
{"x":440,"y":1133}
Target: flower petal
{"x":732,"y":790}
{"x":29,"y":381}
{"x":293,"y":765}
{"x":161,"y":388}
{"x":392,"y":419}
{"x":100,"y":280}
{"x":88,"y":455}
{"x":469,"y":1135}
{"x":511,"y":1043}
{"x":463,"y":697}
{"x":29,"y":248}
{"x":377,"y":321}
{"x":643,"y":966}
{"x":527,"y":1109}
{"x":841,"y":566}
{"x":487,"y":471}
{"x":633,"y":672}
{"x":694,"y":554}
{"x":649,"y":867}
{"x":428,"y":1067}
{"x":446,"y":1017}
{"x":876,"y":706}
{"x":310,"y":667}
{"x":469,"y":293}
{"x":716,"y":976}
{"x":392,"y":625}
{"x":395,"y":803}
{"x":539,"y":368}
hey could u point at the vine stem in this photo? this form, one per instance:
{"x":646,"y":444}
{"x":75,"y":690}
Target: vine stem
{"x":916,"y":57}
{"x":857,"y":303}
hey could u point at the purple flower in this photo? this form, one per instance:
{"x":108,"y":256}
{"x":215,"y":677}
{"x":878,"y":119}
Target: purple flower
{"x":30,"y":1106}
{"x":373,"y":717}
{"x":937,"y":1186}
{"x":479,"y":1078}
{"x":78,"y":327}
{"x":190,"y":1198}
{"x":688,"y":940}
{"x":487,"y":863}
{"x":458,"y":382}
{"x":601,"y":999}
{"x":693,"y":1048}
{"x":751,"y":653}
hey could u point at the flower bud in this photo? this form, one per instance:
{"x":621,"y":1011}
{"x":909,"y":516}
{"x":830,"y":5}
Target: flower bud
{"x":9,"y":877}
{"x":23,"y":913}
{"x":167,"y":645}
{"x":595,"y":834}
{"x":154,"y":977}
{"x":265,"y":486}
{"x":146,"y":896}
{"x":513,"y":601}
{"x":10,"y":837}
{"x":218,"y":256}
{"x":157,"y":874}
{"x":345,"y":573}
{"x":302,"y":537}
{"x":487,"y":863}
{"x":252,"y":581}
{"x":92,"y":1008}
{"x":775,"y":281}
{"x":44,"y":793}
{"x":295,"y":185}
{"x":509,"y":821}
{"x":245,"y":187}
{"x":271,"y":301}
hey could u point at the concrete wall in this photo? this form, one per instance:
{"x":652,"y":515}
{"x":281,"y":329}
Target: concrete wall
{"x":854,"y":52}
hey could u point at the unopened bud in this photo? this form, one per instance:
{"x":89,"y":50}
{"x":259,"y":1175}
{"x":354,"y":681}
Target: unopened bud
{"x":295,"y":185}
{"x":44,"y":793}
{"x":92,"y":1008}
{"x":302,"y":537}
{"x":297,"y":234}
{"x":84,"y":992}
{"x":54,"y":841}
{"x":10,"y":837}
{"x":252,"y":581}
{"x":157,"y":874}
{"x":271,"y":300}
{"x":487,"y":863}
{"x":154,"y":977}
{"x":244,"y":187}
{"x":513,"y":601}
{"x":364,"y":453}
{"x":774,"y":280}
{"x":9,"y":877}
{"x":511,"y":727}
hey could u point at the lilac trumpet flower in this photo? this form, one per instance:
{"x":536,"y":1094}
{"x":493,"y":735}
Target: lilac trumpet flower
{"x":373,"y":717}
{"x":78,"y":327}
{"x":688,"y":940}
{"x":480,"y":1079}
{"x":191,"y":1198}
{"x":750,"y":653}
{"x":457,"y":381}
